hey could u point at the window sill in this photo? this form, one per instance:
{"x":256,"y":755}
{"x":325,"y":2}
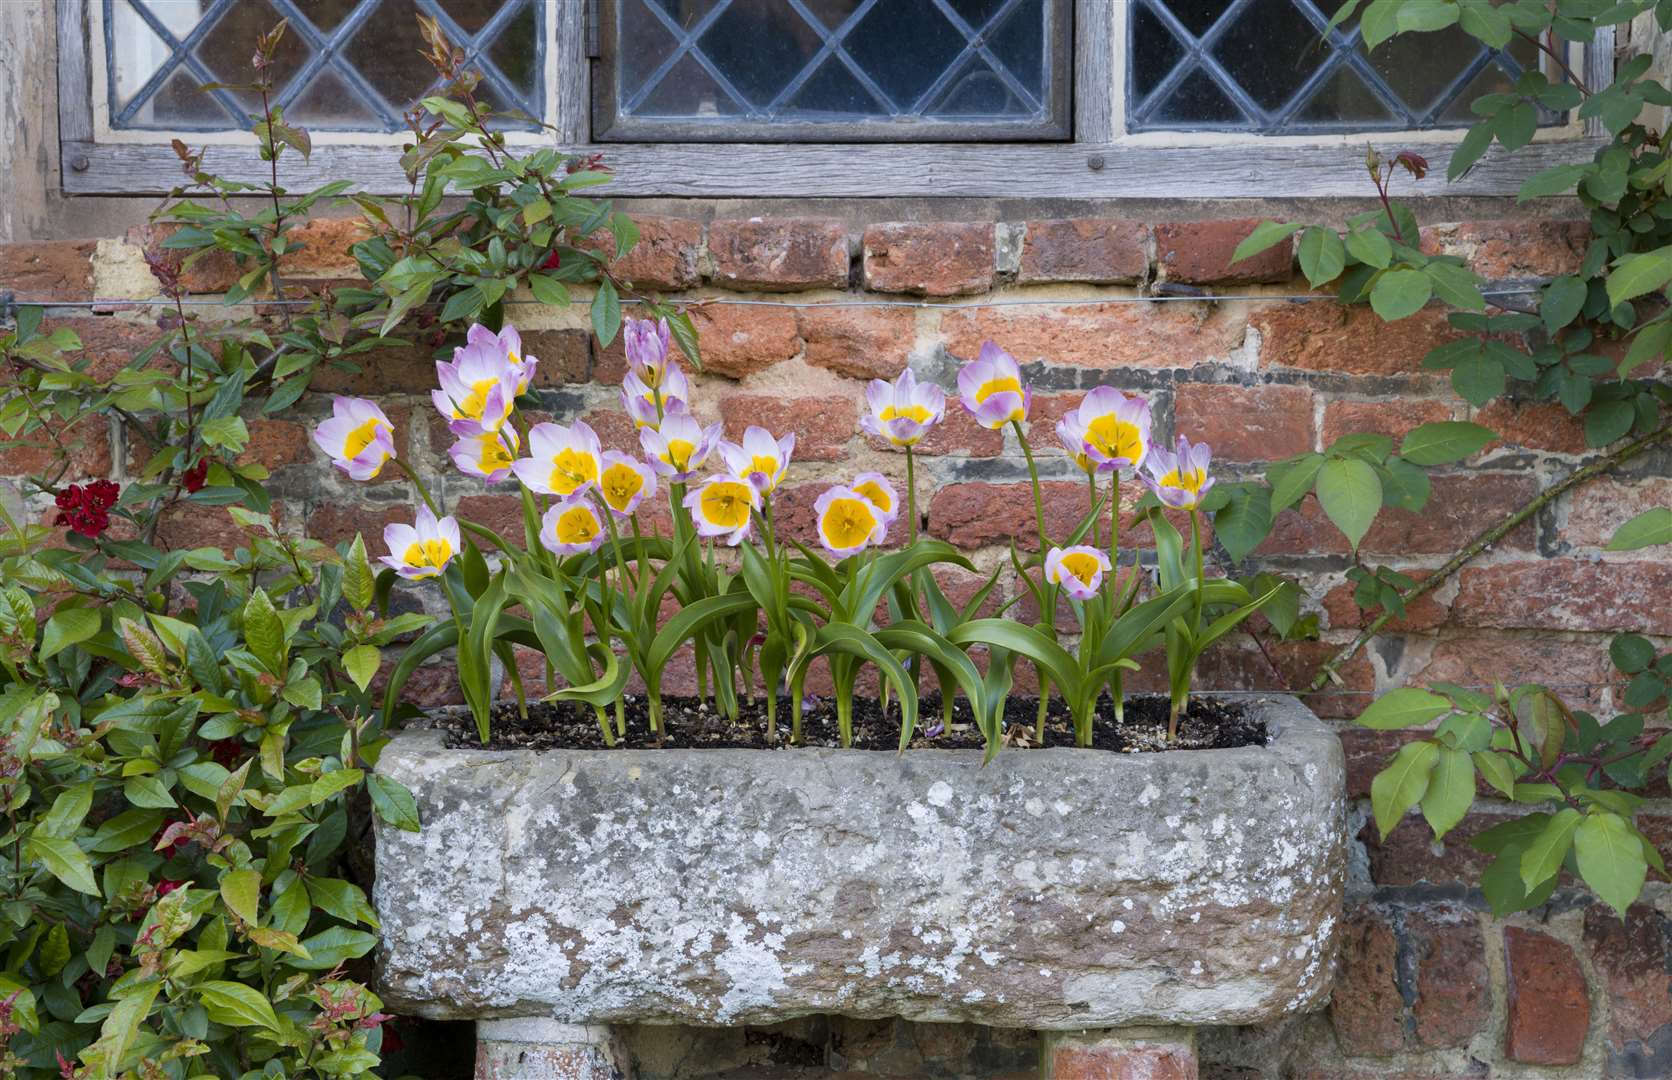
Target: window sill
{"x":950,"y":170}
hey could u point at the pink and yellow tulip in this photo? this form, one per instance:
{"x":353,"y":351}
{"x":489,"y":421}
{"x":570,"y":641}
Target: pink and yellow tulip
{"x":848,"y":521}
{"x":424,"y":548}
{"x":991,"y":389}
{"x":571,"y":527}
{"x":359,"y":438}
{"x":564,"y":460}
{"x":1079,"y":570}
{"x":1179,"y":479}
{"x":489,"y":455}
{"x":679,"y":447}
{"x":724,"y":506}
{"x":760,"y":459}
{"x":624,"y":483}
{"x":904,"y":410}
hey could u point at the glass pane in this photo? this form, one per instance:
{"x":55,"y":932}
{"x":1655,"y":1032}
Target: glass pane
{"x":345,"y":64}
{"x":821,"y":61}
{"x":1261,"y":66}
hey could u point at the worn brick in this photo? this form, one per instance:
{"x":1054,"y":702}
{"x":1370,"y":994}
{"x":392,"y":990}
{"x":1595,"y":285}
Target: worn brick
{"x":1480,"y":659}
{"x":822,"y":425}
{"x":1533,"y":426}
{"x":1426,"y":612}
{"x":109,"y":342}
{"x":1367,"y":1009}
{"x":1633,"y":959}
{"x":429,"y":687}
{"x":1367,"y":753}
{"x":59,"y":270}
{"x":1324,"y":336}
{"x":277,"y":443}
{"x":87,"y":443}
{"x":338,"y":522}
{"x":1409,"y":855}
{"x":1394,"y":417}
{"x":1459,"y":503}
{"x":975,"y":514}
{"x":1108,"y":336}
{"x":1245,"y":423}
{"x":1453,"y":988}
{"x":1601,"y":506}
{"x":1236,"y":663}
{"x":736,"y":340}
{"x":564,"y":356}
{"x":1514,"y":248}
{"x":1094,"y":1057}
{"x":1567,"y":594}
{"x":206,"y":270}
{"x":665,"y":257}
{"x":929,"y":258}
{"x":862,"y":343}
{"x":1098,"y":251}
{"x":394,"y":369}
{"x":188,"y":525}
{"x":1199,"y":253}
{"x":779,"y":254}
{"x":320,"y":248}
{"x":1548,"y":1004}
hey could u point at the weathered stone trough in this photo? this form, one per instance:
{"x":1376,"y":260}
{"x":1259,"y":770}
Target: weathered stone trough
{"x":1052,"y":889}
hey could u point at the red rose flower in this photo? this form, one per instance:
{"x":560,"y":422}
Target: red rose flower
{"x":165,"y":886}
{"x":553,"y":261}
{"x":194,"y":478}
{"x":86,"y":510}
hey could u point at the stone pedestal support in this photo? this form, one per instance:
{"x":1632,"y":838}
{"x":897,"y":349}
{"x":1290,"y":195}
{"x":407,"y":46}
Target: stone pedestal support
{"x":535,"y":1048}
{"x":1121,"y":1054}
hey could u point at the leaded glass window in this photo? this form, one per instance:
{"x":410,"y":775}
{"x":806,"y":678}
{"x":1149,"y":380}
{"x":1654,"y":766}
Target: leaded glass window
{"x":1262,"y":66}
{"x":834,"y":70}
{"x":351,"y":65}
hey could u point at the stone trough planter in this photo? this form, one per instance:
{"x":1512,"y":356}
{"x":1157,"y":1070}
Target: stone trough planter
{"x":1054,"y":889}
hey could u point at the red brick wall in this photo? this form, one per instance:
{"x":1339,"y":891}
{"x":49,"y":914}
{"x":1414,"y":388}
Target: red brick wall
{"x":1431,"y":986}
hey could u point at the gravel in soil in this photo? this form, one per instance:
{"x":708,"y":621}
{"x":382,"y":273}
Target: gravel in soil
{"x":691,"y":723}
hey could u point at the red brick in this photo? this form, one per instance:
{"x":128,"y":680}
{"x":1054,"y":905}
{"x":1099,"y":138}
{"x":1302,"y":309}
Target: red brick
{"x":564,"y":356}
{"x":665,"y":256}
{"x":429,"y":687}
{"x":1115,"y":335}
{"x":1424,"y":613}
{"x":48,"y":270}
{"x":1394,"y":418}
{"x":1245,"y":423}
{"x":929,"y":258}
{"x":1533,"y":426}
{"x":1321,"y":335}
{"x":777,"y":254}
{"x":1409,"y":856}
{"x":615,"y":430}
{"x":822,"y":425}
{"x":320,"y":248}
{"x":1199,"y":253}
{"x":975,"y":514}
{"x":1089,"y":1057}
{"x":1367,"y":753}
{"x":1549,"y":1006}
{"x":109,"y":342}
{"x":188,"y":525}
{"x":1236,"y":663}
{"x":336,"y":522}
{"x":957,"y":433}
{"x":87,"y":442}
{"x":277,"y":443}
{"x":1099,"y":251}
{"x":397,"y":369}
{"x":1601,"y":506}
{"x":1460,"y":506}
{"x":1367,"y":1009}
{"x":736,"y":340}
{"x":1482,"y":659}
{"x":1567,"y":594}
{"x":1633,"y":958}
{"x":862,"y":343}
{"x":206,"y":270}
{"x":1453,"y":989}
{"x":1515,"y":248}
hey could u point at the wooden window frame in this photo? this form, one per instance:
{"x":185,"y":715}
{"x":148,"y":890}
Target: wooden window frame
{"x":1101,"y":163}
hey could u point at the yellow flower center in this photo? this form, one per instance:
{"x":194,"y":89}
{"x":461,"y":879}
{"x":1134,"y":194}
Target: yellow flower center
{"x":726,"y":503}
{"x":1190,"y":480}
{"x":522,"y":380}
{"x":576,"y":526}
{"x":475,"y":401}
{"x":620,"y":485}
{"x":495,"y":456}
{"x":571,"y":469}
{"x":1004,"y":385}
{"x":361,"y":437}
{"x":877,"y":494}
{"x":679,"y":453}
{"x":847,"y":523}
{"x":1115,"y":438}
{"x":432,"y":553}
{"x":1083,"y":566}
{"x":917,"y":414}
{"x":766,"y":466}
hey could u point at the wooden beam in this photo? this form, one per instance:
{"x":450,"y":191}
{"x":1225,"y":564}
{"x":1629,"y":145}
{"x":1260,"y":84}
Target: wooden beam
{"x":953,"y":170}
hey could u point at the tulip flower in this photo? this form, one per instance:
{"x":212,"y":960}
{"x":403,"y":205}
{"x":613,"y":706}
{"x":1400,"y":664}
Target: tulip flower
{"x":571,"y":527}
{"x":359,"y":438}
{"x":1117,"y":428}
{"x":508,"y":342}
{"x":679,"y":447}
{"x":761,"y":459}
{"x":724,"y":506}
{"x":1079,"y":570}
{"x":624,"y":483}
{"x":640,"y":399}
{"x":1179,"y":479}
{"x":478,"y":387}
{"x":1072,"y":432}
{"x":565,"y":460}
{"x":875,"y":487}
{"x":990,"y":387}
{"x":903,"y":411}
{"x":848,"y":521}
{"x":646,"y":344}
{"x":422,"y":549}
{"x":489,"y":455}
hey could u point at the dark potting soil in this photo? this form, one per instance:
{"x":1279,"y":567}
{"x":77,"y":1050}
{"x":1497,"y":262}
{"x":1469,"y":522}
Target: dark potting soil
{"x":690,"y":723}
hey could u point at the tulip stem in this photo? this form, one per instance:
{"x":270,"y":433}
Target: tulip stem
{"x":911,"y":497}
{"x":423,"y":492}
{"x":1038,"y":499}
{"x":1091,"y":504}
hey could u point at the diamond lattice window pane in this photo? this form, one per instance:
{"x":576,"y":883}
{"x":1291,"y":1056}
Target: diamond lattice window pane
{"x":876,"y":69}
{"x":351,"y":65}
{"x":1263,"y":66}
